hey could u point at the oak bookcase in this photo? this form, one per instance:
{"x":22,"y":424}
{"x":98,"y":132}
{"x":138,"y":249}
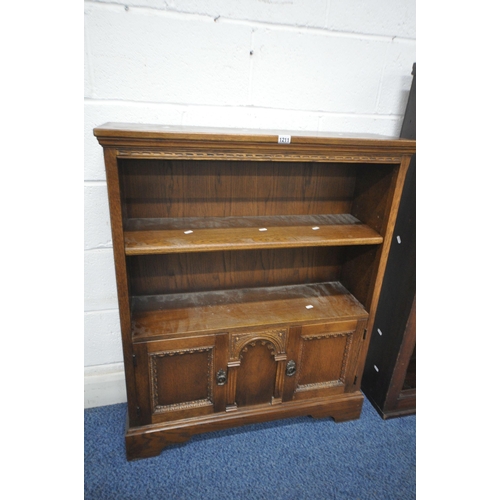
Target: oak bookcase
{"x":248,"y":267}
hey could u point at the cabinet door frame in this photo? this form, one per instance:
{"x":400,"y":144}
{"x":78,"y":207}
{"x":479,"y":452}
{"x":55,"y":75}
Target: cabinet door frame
{"x":299,"y":339}
{"x":275,"y":338}
{"x":150,"y":354}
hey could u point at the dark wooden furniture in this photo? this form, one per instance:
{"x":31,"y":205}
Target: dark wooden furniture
{"x":389,"y":379}
{"x":249,"y":268}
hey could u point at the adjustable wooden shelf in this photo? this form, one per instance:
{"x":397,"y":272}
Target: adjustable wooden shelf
{"x":248,"y":269}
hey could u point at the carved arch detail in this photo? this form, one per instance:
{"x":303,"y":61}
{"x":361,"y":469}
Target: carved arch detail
{"x":274,"y":339}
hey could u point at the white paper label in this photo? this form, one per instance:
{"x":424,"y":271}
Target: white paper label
{"x":309,"y":307}
{"x":188,"y":232}
{"x":284,"y":139}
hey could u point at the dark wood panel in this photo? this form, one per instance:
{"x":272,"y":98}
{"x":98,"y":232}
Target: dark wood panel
{"x":405,"y":366}
{"x":179,"y":273}
{"x":183,"y":377}
{"x":373,"y":195}
{"x":159,"y":189}
{"x":176,"y":379}
{"x":326,"y":356}
{"x":410,"y":380}
{"x":167,"y":224}
{"x":321,"y":360}
{"x":409,"y":126}
{"x":358,"y":270}
{"x":256,"y":375}
{"x":396,"y":297}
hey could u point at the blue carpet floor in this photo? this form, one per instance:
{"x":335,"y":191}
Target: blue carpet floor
{"x":293,"y":459}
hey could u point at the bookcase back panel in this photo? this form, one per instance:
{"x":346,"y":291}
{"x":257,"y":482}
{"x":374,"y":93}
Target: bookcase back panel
{"x":358,"y":273}
{"x":180,"y":273}
{"x":373,"y":194}
{"x":177,"y":188}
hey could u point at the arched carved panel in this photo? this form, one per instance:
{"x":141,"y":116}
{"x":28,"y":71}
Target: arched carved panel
{"x":277,"y":339}
{"x":256,"y":367}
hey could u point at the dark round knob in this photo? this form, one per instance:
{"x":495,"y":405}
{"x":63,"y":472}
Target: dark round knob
{"x":291,"y":368}
{"x":221,"y":377}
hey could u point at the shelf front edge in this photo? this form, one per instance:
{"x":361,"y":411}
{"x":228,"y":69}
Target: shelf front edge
{"x":151,"y":243}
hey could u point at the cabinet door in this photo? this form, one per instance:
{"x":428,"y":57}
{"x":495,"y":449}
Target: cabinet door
{"x":181,"y":378}
{"x":256,"y":368}
{"x":322,"y":359}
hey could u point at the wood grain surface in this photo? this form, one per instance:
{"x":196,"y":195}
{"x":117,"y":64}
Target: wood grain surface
{"x":157,"y":316}
{"x":262,"y":232}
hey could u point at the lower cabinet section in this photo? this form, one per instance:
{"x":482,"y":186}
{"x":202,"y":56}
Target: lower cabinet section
{"x":205,"y":382}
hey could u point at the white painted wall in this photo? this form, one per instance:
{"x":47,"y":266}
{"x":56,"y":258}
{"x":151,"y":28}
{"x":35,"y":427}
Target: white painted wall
{"x":318,"y":65}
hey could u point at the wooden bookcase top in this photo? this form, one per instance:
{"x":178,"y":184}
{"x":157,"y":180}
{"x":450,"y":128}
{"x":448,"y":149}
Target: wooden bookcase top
{"x":125,"y":134}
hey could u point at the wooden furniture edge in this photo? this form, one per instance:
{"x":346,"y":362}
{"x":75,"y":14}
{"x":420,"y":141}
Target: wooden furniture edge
{"x":149,"y":440}
{"x":113,"y":187}
{"x":213,"y":143}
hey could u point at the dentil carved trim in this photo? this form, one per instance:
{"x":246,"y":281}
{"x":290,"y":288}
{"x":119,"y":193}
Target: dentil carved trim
{"x":183,"y":406}
{"x":267,"y":343}
{"x":326,"y":335}
{"x":231,"y":155}
{"x":319,"y":385}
